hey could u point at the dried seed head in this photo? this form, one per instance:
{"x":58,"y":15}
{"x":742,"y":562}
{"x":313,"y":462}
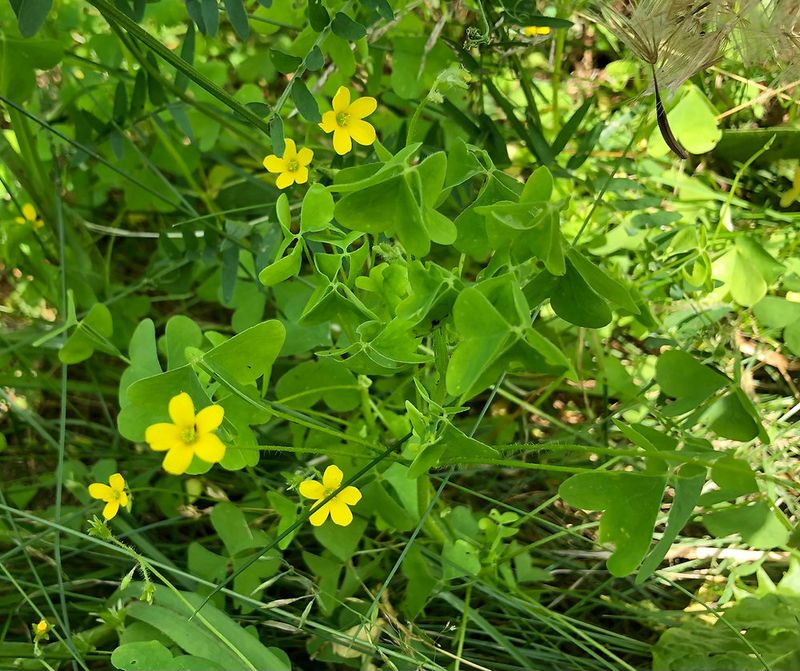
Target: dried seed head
{"x":677,"y":38}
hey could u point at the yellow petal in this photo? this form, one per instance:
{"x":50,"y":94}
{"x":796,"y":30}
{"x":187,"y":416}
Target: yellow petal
{"x":311,"y":489}
{"x":304,"y":156}
{"x":274,"y":164}
{"x":110,"y":509}
{"x":29,"y":212}
{"x":362,"y":107}
{"x":301,"y":175}
{"x":349,"y":495}
{"x":341,"y":141}
{"x":290,"y":152}
{"x":332,"y":477}
{"x":97,"y":490}
{"x":22,"y":220}
{"x":319,"y":515}
{"x":285,"y":180}
{"x":341,"y":101}
{"x":361,"y":131}
{"x":181,"y":409}
{"x":209,"y":418}
{"x":123,"y":499}
{"x":340,"y":513}
{"x":209,"y":448}
{"x":177,"y":460}
{"x":163,"y":436}
{"x":329,"y":122}
{"x":117,"y":482}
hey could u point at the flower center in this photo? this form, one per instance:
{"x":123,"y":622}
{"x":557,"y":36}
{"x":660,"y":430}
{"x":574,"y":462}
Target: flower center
{"x":342,"y":119}
{"x":189,"y":435}
{"x":292,"y":165}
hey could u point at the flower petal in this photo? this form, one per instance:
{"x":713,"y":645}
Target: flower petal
{"x":97,"y":490}
{"x":178,"y":459}
{"x":362,"y":132}
{"x":311,"y":489}
{"x":181,"y":410}
{"x":341,"y":141}
{"x":209,"y":418}
{"x":209,"y":448}
{"x":285,"y":180}
{"x":349,"y":495}
{"x":29,"y":212}
{"x":332,"y":477}
{"x":163,"y":436}
{"x":117,"y":482}
{"x":290,"y":151}
{"x":110,"y":509}
{"x":301,"y":175}
{"x":341,"y":101}
{"x":362,"y":107}
{"x":340,"y":513}
{"x":274,"y":164}
{"x":304,"y":156}
{"x":329,"y":122}
{"x":319,"y":515}
{"x":123,"y":499}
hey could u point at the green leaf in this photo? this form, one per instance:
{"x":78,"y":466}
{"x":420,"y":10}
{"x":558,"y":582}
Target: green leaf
{"x":232,"y":527}
{"x":237,"y":15}
{"x":341,"y":542}
{"x":681,"y":376}
{"x":284,"y":63}
{"x":315,"y":59}
{"x":141,"y":656}
{"x":574,"y":301}
{"x":305,"y":102}
{"x":776,"y":312}
{"x":181,"y":333}
{"x":459,"y":559}
{"x":729,"y":418}
{"x":756,"y":523}
{"x":90,"y":334}
{"x":343,"y":26}
{"x":317,"y":15}
{"x":307,"y":383}
{"x":232,"y":647}
{"x":601,"y":282}
{"x":210,"y":14}
{"x":317,"y":210}
{"x":31,"y":15}
{"x":688,"y":487}
{"x":276,"y":135}
{"x":248,"y":355}
{"x":630,"y":502}
{"x":148,"y":400}
{"x":483,"y":331}
{"x":284,"y":268}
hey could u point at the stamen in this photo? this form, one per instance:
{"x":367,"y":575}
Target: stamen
{"x":342,"y":118}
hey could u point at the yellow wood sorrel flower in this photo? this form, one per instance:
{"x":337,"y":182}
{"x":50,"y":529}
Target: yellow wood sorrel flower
{"x":29,"y":216}
{"x":337,"y":507}
{"x":113,"y":494}
{"x":536,"y":31}
{"x":41,"y":627}
{"x":346,"y":121}
{"x":292,"y":167}
{"x":188,"y":435}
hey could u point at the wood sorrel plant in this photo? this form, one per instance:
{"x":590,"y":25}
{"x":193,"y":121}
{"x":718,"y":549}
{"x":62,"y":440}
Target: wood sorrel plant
{"x":403,"y":333}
